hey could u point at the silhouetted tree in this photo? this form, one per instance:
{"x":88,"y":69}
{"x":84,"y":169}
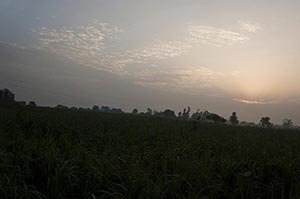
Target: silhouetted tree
{"x":84,"y":109}
{"x":185,"y":114}
{"x":1,"y":95}
{"x":167,"y":113}
{"x":250,"y":124}
{"x":74,"y":108}
{"x":61,"y":107}
{"x":96,"y":108}
{"x":196,"y":115}
{"x":149,"y":112}
{"x":207,"y":117}
{"x":32,"y":104}
{"x":287,"y":123}
{"x":234,"y":119}
{"x":216,"y":118}
{"x":116,"y":110}
{"x":105,"y":109}
{"x":265,"y":122}
{"x":6,"y":96}
{"x":135,"y":111}
{"x":179,"y":114}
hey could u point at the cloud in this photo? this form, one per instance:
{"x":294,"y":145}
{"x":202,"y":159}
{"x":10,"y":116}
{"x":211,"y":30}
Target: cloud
{"x":93,"y":45}
{"x":96,"y":45}
{"x":214,"y":36}
{"x":250,"y":26}
{"x":294,"y":100}
{"x":193,"y":80}
{"x":161,"y":50}
{"x":158,"y":50}
{"x":84,"y":44}
{"x":255,"y":102}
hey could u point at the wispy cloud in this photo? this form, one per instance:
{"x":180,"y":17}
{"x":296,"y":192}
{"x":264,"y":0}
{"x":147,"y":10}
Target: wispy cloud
{"x":193,"y":80}
{"x":214,"y":36}
{"x":96,"y":45}
{"x":255,"y":102}
{"x":91,"y":45}
{"x":161,"y":50}
{"x":251,"y":27}
{"x":294,"y":100}
{"x":158,"y":50}
{"x":83,"y":44}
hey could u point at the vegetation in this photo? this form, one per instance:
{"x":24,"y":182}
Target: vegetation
{"x":234,"y":119}
{"x":6,"y":95}
{"x":287,"y":123}
{"x":265,"y":122}
{"x":207,"y":117}
{"x":58,"y":153}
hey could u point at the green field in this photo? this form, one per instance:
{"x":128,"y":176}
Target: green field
{"x":50,"y":153}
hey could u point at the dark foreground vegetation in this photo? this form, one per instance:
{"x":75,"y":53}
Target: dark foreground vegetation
{"x":56,"y":153}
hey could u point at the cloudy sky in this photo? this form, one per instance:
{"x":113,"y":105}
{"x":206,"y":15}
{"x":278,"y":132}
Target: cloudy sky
{"x":239,"y":52}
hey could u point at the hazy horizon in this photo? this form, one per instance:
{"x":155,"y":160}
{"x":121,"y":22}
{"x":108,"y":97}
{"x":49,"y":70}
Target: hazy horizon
{"x":219,"y":56}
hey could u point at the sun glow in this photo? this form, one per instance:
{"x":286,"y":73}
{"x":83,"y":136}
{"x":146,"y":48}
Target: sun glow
{"x":256,"y":86}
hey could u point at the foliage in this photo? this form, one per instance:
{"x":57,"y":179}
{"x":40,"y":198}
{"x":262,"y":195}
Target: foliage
{"x":208,"y":117}
{"x":167,"y":114}
{"x":287,"y":123}
{"x":6,"y":96}
{"x":149,"y":112}
{"x":185,"y":115}
{"x":135,"y":111}
{"x":265,"y":122}
{"x":57,"y":153}
{"x":96,"y":108}
{"x":32,"y":104}
{"x":234,"y":119}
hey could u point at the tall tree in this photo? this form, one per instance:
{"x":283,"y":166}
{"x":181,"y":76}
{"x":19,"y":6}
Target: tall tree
{"x":265,"y":122}
{"x":287,"y":123}
{"x":234,"y":119}
{"x":149,"y":112}
{"x":135,"y":111}
{"x":96,"y":108}
{"x":186,"y":113}
{"x":32,"y":104}
{"x":7,"y":96}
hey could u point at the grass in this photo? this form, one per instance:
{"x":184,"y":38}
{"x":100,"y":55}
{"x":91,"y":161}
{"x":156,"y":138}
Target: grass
{"x":49,"y":153}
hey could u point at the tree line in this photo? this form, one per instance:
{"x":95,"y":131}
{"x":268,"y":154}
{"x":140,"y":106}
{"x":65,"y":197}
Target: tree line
{"x":6,"y":96}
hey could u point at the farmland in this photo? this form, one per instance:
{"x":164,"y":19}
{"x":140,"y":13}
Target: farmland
{"x":51,"y":153}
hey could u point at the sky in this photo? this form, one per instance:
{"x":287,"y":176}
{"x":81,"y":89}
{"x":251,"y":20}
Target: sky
{"x":234,"y":55}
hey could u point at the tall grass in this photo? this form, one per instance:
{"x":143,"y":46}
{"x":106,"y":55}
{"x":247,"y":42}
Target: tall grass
{"x":48,"y":153}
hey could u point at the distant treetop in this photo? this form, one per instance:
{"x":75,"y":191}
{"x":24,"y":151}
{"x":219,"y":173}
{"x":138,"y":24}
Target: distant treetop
{"x":234,"y":119}
{"x":265,"y":122}
{"x":6,"y":95}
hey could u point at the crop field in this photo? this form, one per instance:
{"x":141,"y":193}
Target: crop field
{"x":51,"y":153}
